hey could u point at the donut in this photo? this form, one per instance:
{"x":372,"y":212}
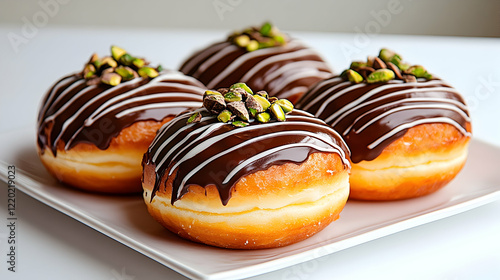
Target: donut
{"x":262,"y":57}
{"x":94,"y":126}
{"x":238,"y":183}
{"x":408,"y":131}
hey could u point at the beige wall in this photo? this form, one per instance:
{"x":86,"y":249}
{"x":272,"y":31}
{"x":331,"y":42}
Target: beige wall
{"x":425,"y":17}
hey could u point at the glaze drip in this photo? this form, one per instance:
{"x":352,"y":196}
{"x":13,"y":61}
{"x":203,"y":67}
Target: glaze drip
{"x":283,"y":71}
{"x":74,"y":112}
{"x":213,"y":153}
{"x":372,"y":116}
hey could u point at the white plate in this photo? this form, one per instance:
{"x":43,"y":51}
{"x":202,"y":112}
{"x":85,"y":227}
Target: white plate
{"x":125,"y":218}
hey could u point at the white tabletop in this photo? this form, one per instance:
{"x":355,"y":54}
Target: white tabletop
{"x":52,"y":245}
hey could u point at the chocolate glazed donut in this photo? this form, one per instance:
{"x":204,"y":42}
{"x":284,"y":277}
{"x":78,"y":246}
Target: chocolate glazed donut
{"x":259,"y":185}
{"x":94,"y":126}
{"x":285,"y":69}
{"x":408,"y":131}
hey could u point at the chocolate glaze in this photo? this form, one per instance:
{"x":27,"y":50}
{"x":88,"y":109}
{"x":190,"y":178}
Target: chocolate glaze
{"x":73,"y":112}
{"x":285,"y":72}
{"x":215,"y":153}
{"x":372,"y":116}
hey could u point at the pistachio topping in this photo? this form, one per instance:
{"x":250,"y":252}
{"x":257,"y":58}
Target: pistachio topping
{"x":278,"y":113}
{"x":225,"y":116}
{"x":262,"y":93}
{"x":255,"y":38}
{"x":263,"y":117}
{"x":239,"y":106}
{"x":117,"y":68}
{"x":111,"y":79}
{"x":89,"y":71}
{"x":380,"y":76}
{"x":285,"y":104}
{"x":388,"y":65}
{"x":126,"y":72}
{"x":352,"y":76}
{"x":117,"y":52}
{"x":262,"y":101}
{"x":214,"y":103}
{"x":232,"y":96}
{"x":194,"y":118}
{"x":418,"y":71}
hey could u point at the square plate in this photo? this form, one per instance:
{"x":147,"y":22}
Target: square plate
{"x":125,"y":218}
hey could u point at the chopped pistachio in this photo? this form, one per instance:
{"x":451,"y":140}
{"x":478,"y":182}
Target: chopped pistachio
{"x":277,"y":112}
{"x":263,"y":117}
{"x":93,"y":58}
{"x":409,"y":79}
{"x":243,"y":86}
{"x":242,"y":40}
{"x":147,"y":72}
{"x":223,"y":90}
{"x":232,"y":97}
{"x":107,"y":61}
{"x":280,"y":39}
{"x":252,"y":103}
{"x":267,"y":43}
{"x":263,"y":102}
{"x":117,"y":52}
{"x":403,"y":66}
{"x":252,"y":112}
{"x":266,"y":29}
{"x":262,"y":93}
{"x":365,"y":71}
{"x":138,"y":62}
{"x":239,"y":124}
{"x":111,"y":79}
{"x":369,"y":61}
{"x":244,"y":94}
{"x":352,"y":76}
{"x":238,"y":108}
{"x":418,"y":71}
{"x":126,"y":59}
{"x":126,"y":72}
{"x":89,"y":71}
{"x":356,"y":64}
{"x":286,"y":105}
{"x":253,"y":45}
{"x":214,"y":103}
{"x":194,"y":118}
{"x":97,"y":64}
{"x":380,"y":76}
{"x":211,"y":92}
{"x":272,"y":99}
{"x":107,"y":70}
{"x":379,"y":64}
{"x":389,"y":56}
{"x":395,"y":69}
{"x":225,"y":116}
{"x":159,"y":68}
